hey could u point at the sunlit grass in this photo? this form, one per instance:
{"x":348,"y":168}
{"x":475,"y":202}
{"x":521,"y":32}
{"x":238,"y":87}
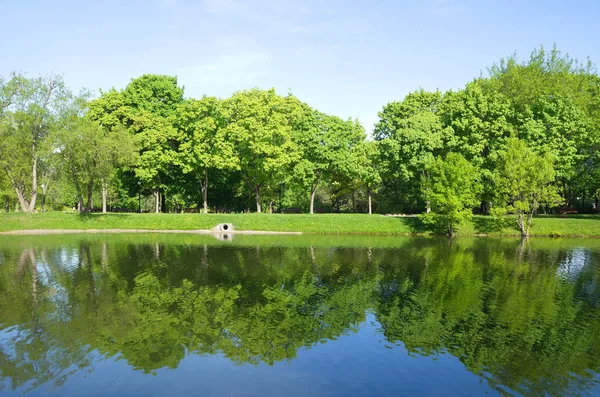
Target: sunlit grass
{"x":319,"y":223}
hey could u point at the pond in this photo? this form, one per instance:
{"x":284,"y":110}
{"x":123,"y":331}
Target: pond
{"x":178,"y":315}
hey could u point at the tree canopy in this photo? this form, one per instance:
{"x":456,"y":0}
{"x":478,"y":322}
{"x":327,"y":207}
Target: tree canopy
{"x":258,"y":149}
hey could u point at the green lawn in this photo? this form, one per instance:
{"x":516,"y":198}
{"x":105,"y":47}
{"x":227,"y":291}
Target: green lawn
{"x":577,"y":225}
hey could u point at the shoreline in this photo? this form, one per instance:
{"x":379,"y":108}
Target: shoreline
{"x":41,"y":232}
{"x":54,"y":223}
{"x":46,"y":232}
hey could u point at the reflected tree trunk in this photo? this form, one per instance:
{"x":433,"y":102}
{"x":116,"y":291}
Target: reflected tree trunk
{"x":523,"y":247}
{"x":89,"y":265}
{"x":104,"y":256}
{"x":205,"y":256}
{"x":34,"y":276}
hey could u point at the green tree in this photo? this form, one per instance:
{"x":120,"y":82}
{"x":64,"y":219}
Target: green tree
{"x":146,"y":107}
{"x":260,"y":124}
{"x":411,"y":134}
{"x":553,"y":100}
{"x":524,"y":182}
{"x":481,"y":123}
{"x":326,"y":143}
{"x":89,"y":154}
{"x":452,"y":187}
{"x":365,"y":158}
{"x":204,"y":144}
{"x":29,"y":107}
{"x":6,"y":193}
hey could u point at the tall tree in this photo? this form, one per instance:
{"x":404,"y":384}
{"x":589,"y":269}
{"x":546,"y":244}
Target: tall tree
{"x":29,"y":109}
{"x":259,"y":122}
{"x":554,"y":107}
{"x":365,"y":158}
{"x":146,"y":107}
{"x":453,"y":188}
{"x":481,"y":123}
{"x":326,"y":143}
{"x":204,"y":144}
{"x":411,"y":134}
{"x":524,"y":182}
{"x":89,"y":154}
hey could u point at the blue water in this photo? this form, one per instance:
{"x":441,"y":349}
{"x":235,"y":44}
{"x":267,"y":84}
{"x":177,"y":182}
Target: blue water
{"x":152,"y":316}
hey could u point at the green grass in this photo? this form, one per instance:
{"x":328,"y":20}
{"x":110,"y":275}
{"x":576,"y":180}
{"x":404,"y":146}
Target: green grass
{"x":571,"y":226}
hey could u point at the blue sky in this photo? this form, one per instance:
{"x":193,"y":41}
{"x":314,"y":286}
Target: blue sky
{"x":348,"y":58}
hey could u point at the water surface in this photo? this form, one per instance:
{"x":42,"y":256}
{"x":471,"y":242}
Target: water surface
{"x":155,"y":315}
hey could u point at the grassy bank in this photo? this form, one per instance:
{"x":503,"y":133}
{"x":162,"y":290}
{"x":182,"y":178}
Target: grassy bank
{"x":576,"y":226}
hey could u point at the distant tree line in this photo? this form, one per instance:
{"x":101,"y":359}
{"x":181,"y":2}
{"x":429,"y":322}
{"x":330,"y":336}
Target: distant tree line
{"x":521,"y":140}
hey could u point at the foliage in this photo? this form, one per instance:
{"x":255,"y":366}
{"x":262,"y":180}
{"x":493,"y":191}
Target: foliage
{"x":29,"y":108}
{"x":327,"y":144}
{"x":203,"y":142}
{"x":260,"y":126}
{"x":524,"y":184}
{"x":452,"y":187}
{"x":258,"y":149}
{"x":146,"y":107}
{"x":410,"y":134}
{"x":89,"y":154}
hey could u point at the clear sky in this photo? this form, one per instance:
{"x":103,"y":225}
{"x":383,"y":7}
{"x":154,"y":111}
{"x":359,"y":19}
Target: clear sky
{"x":344,"y":57}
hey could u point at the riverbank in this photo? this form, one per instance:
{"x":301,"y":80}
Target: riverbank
{"x":565,"y":226}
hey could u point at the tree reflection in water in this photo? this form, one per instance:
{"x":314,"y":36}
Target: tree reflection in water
{"x":523,"y":316}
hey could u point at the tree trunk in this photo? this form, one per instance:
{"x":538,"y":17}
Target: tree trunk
{"x":7,"y":205}
{"x":353,"y":203}
{"x":428,"y":202}
{"x":44,"y":189}
{"x":271,"y":207}
{"x":33,"y":183}
{"x":312,"y":200}
{"x":104,"y":195}
{"x":257,"y":196}
{"x":313,"y":191}
{"x":369,"y":198}
{"x":524,"y":222}
{"x":22,"y":200}
{"x":88,"y":204}
{"x":156,"y":200}
{"x":205,"y":192}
